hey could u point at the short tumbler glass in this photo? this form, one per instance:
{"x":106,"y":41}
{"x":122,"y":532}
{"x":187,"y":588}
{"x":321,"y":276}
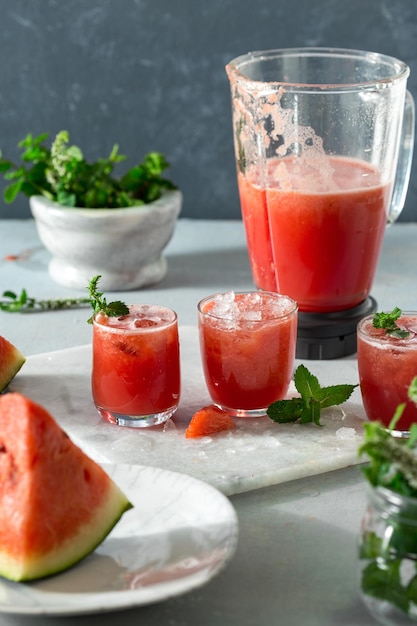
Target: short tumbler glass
{"x":387,"y":365}
{"x":136,"y":366}
{"x":247,"y":344}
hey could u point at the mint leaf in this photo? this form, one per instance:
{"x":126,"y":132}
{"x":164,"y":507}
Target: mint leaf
{"x":383,"y":581}
{"x":388,"y":321}
{"x":99,"y":302}
{"x":313,"y":399}
{"x":306,"y":383}
{"x":285,"y":411}
{"x":334,"y":395}
{"x":12,"y":191}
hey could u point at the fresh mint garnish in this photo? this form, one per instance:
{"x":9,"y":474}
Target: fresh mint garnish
{"x":23,"y":303}
{"x":313,"y":399}
{"x":391,"y":550}
{"x":393,"y":460}
{"x":388,"y":321}
{"x":99,"y":303}
{"x":62,"y":174}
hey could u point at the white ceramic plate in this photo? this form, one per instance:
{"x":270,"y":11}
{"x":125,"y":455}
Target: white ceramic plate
{"x":180,"y":533}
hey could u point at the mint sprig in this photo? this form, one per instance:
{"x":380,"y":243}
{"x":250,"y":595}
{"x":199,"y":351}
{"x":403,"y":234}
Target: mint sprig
{"x":314,"y":398}
{"x":392,"y":460}
{"x":23,"y":303}
{"x":391,"y":550}
{"x":388,"y":321}
{"x":99,"y":303}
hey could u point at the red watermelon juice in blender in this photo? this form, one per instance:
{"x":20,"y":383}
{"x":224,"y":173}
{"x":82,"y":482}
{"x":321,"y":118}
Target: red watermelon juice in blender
{"x":320,"y":246}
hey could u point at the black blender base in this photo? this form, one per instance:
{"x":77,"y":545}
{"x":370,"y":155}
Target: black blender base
{"x":332,"y":335}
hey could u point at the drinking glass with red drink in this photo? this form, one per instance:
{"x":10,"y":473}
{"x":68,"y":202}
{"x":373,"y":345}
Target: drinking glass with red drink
{"x":247,"y":343}
{"x":387,"y":364}
{"x":136,"y":366}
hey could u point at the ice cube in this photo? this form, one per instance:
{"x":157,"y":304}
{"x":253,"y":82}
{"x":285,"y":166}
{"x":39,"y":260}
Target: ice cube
{"x":346,"y":433}
{"x":251,"y":316}
{"x":229,"y":296}
{"x":225,"y":306}
{"x":143,"y":322}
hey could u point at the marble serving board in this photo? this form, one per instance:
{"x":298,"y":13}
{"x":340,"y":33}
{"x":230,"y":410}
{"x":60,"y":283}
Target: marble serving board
{"x":257,"y":453}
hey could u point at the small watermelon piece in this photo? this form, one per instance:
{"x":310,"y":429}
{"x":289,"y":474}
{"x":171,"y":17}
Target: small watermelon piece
{"x":11,"y":360}
{"x":56,"y":504}
{"x":207,"y":421}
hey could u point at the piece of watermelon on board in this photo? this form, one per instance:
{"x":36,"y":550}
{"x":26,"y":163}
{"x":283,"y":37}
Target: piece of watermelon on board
{"x":208,"y":421}
{"x":11,"y":360}
{"x":56,"y":504}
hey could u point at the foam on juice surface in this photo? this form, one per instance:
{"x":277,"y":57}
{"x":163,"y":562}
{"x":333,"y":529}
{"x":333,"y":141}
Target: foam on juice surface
{"x":385,"y":340}
{"x":140,"y":316}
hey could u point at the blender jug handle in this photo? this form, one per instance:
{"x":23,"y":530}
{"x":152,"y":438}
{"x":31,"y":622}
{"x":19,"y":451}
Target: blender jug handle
{"x":405,"y":158}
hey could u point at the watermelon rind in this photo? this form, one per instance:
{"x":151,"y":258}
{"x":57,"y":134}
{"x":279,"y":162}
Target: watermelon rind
{"x":73,"y":551}
{"x":11,"y":360}
{"x":56,"y":504}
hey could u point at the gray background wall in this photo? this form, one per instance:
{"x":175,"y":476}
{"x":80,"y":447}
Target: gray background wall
{"x":149,"y":75}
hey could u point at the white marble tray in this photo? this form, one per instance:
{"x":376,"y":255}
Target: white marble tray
{"x":256,"y":454}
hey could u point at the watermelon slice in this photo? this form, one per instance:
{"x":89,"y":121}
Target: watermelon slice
{"x":207,"y":421}
{"x":11,"y":360}
{"x":56,"y":504}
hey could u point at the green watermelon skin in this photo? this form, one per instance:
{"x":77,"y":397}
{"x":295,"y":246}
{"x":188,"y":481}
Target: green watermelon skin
{"x":11,"y":360}
{"x":56,"y":504}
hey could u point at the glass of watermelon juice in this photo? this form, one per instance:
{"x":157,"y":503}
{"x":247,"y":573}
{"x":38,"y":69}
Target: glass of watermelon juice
{"x":136,"y":366}
{"x":386,"y":366}
{"x":247,"y":343}
{"x":320,"y":136}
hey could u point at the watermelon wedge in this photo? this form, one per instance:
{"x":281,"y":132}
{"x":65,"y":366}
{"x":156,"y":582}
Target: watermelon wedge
{"x":11,"y":360}
{"x":207,"y":421}
{"x":56,"y":504}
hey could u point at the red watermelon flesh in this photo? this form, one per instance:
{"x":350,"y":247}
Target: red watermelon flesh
{"x":11,"y":360}
{"x":56,"y":504}
{"x":208,"y":421}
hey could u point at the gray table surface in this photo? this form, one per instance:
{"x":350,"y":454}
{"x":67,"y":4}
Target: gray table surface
{"x":295,"y":563}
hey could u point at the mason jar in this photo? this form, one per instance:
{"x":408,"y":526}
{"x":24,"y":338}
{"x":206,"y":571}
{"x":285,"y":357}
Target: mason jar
{"x":388,"y":557}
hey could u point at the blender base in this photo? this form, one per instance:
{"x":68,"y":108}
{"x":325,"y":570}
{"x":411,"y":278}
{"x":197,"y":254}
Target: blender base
{"x":331,"y":335}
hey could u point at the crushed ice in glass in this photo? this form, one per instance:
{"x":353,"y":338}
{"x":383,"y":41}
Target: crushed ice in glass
{"x":246,"y":310}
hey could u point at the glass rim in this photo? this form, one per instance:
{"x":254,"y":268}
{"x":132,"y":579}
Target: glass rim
{"x":398,"y":500}
{"x":399,"y":69}
{"x":271,"y":294}
{"x":137,"y":329}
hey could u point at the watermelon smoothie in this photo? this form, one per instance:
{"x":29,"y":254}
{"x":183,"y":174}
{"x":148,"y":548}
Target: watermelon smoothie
{"x":386,"y":366}
{"x":247,"y":343}
{"x":255,"y":219}
{"x":136,"y":366}
{"x":321,"y":236}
